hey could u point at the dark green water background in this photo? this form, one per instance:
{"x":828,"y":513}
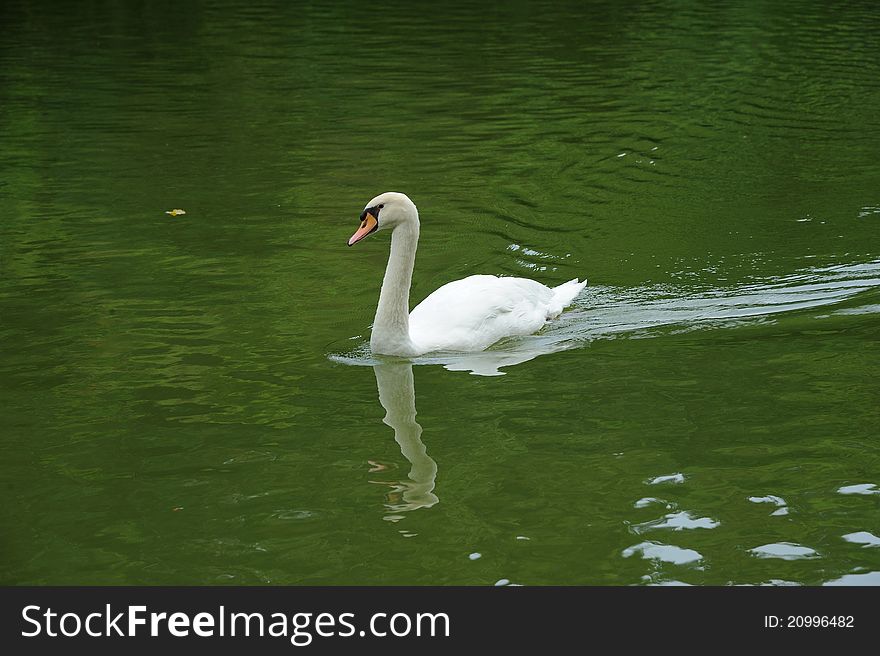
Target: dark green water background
{"x":189,"y":400}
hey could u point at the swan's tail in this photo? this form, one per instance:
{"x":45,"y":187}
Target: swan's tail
{"x":564,"y":294}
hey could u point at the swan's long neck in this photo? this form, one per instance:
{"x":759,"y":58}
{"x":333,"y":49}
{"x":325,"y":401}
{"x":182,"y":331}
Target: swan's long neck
{"x":391,"y":325}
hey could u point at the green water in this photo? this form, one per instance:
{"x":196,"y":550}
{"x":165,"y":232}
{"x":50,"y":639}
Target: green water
{"x":191,"y":399}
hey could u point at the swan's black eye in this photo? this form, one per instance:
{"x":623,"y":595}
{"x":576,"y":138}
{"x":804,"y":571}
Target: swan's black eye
{"x":381,"y":206}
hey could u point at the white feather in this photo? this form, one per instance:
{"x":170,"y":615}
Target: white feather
{"x":473,"y":313}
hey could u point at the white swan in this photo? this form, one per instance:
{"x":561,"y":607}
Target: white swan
{"x":469,"y":314}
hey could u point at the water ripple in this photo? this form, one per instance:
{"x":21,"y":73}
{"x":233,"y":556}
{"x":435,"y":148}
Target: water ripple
{"x":865,"y":578}
{"x":864,"y":538}
{"x":784,"y":551}
{"x":679,"y":521}
{"x":666,"y":553}
{"x":779,"y":502}
{"x":861,"y":488}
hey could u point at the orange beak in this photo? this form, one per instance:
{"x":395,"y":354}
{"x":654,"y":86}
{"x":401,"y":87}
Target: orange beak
{"x":368,"y":224}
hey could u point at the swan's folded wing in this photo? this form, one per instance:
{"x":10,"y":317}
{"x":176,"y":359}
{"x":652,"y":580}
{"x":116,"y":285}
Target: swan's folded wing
{"x":473,"y":313}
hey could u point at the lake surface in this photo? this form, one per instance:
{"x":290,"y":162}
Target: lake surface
{"x":191,"y":399}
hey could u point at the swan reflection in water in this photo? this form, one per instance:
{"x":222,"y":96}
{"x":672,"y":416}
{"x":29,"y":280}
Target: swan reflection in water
{"x":397,"y":395}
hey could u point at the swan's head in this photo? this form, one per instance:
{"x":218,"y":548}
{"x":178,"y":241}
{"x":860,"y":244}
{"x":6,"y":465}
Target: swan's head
{"x":387,"y":210}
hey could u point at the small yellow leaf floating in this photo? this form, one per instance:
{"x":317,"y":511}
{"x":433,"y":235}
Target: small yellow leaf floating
{"x":175,"y":212}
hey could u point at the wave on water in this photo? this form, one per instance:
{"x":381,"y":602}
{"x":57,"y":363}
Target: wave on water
{"x":604,"y":312}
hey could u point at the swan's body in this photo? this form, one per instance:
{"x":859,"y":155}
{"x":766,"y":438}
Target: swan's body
{"x":469,"y":314}
{"x":473,"y":313}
